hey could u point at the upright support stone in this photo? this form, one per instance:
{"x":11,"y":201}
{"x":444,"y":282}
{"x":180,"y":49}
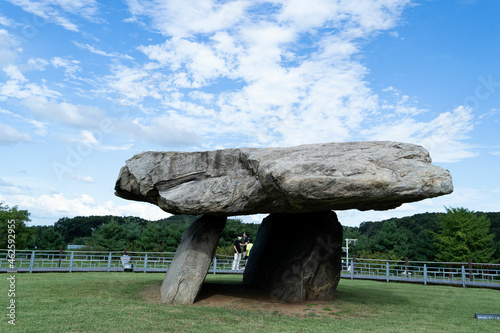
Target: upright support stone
{"x":192,"y":259}
{"x":297,"y":257}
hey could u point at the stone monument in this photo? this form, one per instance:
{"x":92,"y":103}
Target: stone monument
{"x":298,"y":186}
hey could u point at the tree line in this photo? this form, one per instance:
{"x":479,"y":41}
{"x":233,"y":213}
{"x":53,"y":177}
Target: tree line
{"x":112,"y":233}
{"x":454,"y":236}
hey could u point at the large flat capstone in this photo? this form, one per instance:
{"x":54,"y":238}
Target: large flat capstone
{"x":308,"y":178}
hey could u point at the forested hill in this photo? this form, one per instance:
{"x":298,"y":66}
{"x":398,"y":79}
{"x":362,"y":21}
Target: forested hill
{"x":417,"y":236}
{"x":114,"y":233}
{"x":425,"y":221}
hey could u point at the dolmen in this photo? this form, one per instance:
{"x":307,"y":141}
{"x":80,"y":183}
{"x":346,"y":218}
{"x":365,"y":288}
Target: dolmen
{"x":297,"y":252}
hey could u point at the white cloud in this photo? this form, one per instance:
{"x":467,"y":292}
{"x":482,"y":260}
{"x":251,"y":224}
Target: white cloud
{"x":100,"y":52}
{"x":132,"y":83}
{"x":17,"y":86}
{"x":183,"y":18}
{"x":71,"y":67}
{"x":9,"y":135}
{"x":65,"y":113}
{"x":491,"y":113}
{"x":200,"y":62}
{"x":306,"y":15}
{"x":49,"y":208}
{"x":9,"y":188}
{"x":15,"y":89}
{"x":40,"y":127}
{"x":86,"y":8}
{"x":276,"y":94}
{"x":161,"y":130}
{"x":56,"y":10}
{"x":401,"y":104}
{"x":9,"y":49}
{"x":203,"y":97}
{"x":5,"y":183}
{"x":368,"y":16}
{"x":14,"y":73}
{"x":7,"y":22}
{"x":84,"y":179}
{"x":37,"y":64}
{"x":88,"y":138}
{"x":441,"y":136}
{"x":94,"y":139}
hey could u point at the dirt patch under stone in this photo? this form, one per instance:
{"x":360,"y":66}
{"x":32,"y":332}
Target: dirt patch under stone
{"x":234,"y":296}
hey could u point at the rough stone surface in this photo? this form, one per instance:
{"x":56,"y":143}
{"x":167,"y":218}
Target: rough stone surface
{"x":297,"y":257}
{"x":308,"y":178}
{"x":192,"y":259}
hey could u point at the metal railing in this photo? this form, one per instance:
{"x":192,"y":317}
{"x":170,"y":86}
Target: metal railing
{"x":92,"y":261}
{"x":464,"y":274}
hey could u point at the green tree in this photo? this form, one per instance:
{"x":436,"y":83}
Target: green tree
{"x":108,"y":237}
{"x":79,"y":226}
{"x":45,"y":238}
{"x":423,"y":248}
{"x":50,"y":240}
{"x":22,"y":232}
{"x":392,"y":239}
{"x":464,"y":235}
{"x":364,"y":254}
{"x":82,"y":226}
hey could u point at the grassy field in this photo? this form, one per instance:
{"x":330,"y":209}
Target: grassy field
{"x":120,"y":302}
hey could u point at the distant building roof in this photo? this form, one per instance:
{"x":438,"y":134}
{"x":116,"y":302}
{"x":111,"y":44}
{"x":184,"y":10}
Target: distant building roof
{"x":75,"y":247}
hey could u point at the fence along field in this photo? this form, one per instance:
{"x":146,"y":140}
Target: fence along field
{"x":460,"y":274}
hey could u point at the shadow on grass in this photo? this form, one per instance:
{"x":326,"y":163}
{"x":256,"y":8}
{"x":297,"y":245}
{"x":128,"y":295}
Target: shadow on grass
{"x":353,"y":299}
{"x":356,"y":292}
{"x":237,"y":290}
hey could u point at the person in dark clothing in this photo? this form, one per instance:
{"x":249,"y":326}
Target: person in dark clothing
{"x":237,"y":253}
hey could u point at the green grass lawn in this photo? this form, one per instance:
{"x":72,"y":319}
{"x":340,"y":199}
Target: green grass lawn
{"x":118,"y":302}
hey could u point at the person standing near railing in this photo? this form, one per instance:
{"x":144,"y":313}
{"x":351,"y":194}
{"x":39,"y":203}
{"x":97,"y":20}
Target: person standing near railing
{"x":249,"y":247}
{"x":247,"y":239}
{"x":237,"y":253}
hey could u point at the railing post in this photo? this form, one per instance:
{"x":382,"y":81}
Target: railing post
{"x":352,"y":269}
{"x":71,"y":262}
{"x":387,"y":270}
{"x":425,"y":274}
{"x":109,"y":262}
{"x":60,"y":255}
{"x":471,"y":273}
{"x":406,"y":267}
{"x":215,"y":264}
{"x":145,"y":262}
{"x":463,"y":276}
{"x":32,"y":261}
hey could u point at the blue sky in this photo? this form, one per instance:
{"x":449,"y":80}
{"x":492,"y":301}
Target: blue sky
{"x":85,"y":85}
